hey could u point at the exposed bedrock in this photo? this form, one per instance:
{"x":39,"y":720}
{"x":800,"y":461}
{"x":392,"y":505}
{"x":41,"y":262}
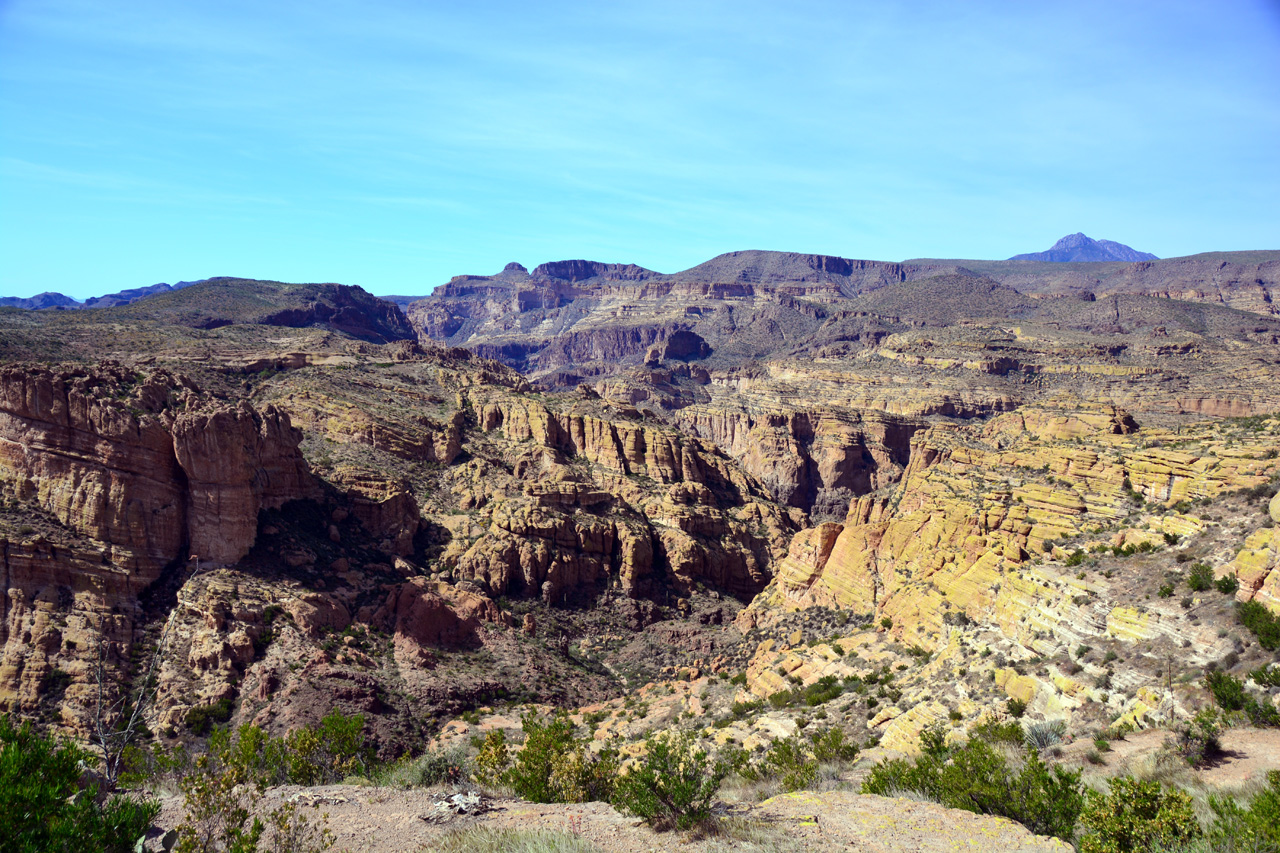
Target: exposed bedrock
{"x":814,"y":460}
{"x":624,"y":502}
{"x":125,"y":480}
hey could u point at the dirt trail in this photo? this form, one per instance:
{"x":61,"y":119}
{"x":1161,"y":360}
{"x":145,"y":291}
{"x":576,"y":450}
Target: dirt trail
{"x":382,"y":820}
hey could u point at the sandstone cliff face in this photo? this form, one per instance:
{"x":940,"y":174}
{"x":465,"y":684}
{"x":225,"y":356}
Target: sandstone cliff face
{"x":1038,"y":536}
{"x":1257,"y":565}
{"x":528,"y":495}
{"x":974,"y":503}
{"x":133,"y":479}
{"x":625,"y":499}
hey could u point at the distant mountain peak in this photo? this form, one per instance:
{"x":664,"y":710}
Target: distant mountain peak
{"x":1079,"y":247}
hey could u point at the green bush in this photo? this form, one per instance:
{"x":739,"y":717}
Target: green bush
{"x":791,"y":762}
{"x":1258,"y":619}
{"x":1227,"y":691}
{"x":1256,"y":828}
{"x":1227,"y":584}
{"x":976,"y":777}
{"x":323,"y":754}
{"x":1201,"y":577}
{"x":831,"y":744}
{"x":781,"y":698}
{"x":1230,"y":694}
{"x":1135,"y":817}
{"x":493,"y":758}
{"x":1265,"y":677}
{"x":554,"y":766}
{"x":1015,"y":707}
{"x":219,"y":800}
{"x":672,"y":785}
{"x":823,"y":690}
{"x":201,"y":719}
{"x":1044,"y":735}
{"x":998,"y":731}
{"x":44,"y":808}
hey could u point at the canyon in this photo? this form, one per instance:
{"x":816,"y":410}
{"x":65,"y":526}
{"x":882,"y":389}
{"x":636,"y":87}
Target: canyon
{"x":591,"y":483}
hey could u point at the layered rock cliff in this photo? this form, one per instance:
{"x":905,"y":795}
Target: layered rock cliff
{"x":129,"y":475}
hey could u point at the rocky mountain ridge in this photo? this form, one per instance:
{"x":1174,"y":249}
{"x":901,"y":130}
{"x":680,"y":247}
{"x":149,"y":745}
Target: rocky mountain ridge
{"x":566,"y":323}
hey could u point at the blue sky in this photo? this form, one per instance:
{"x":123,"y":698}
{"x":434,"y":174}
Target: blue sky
{"x":393,"y":145}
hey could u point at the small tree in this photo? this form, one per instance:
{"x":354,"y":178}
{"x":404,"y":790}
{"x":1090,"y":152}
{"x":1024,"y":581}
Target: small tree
{"x":118,"y":724}
{"x":672,"y":785}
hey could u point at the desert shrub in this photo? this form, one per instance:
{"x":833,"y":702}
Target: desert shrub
{"x":1258,"y":619}
{"x":790,"y":761}
{"x":1256,"y":828}
{"x":977,"y":778}
{"x":781,"y":698}
{"x":672,"y":785}
{"x":1230,"y":694}
{"x":1197,"y":739}
{"x":823,"y":690}
{"x":831,"y":744}
{"x":1227,"y":584}
{"x":555,"y":767}
{"x":442,"y":766}
{"x":1042,"y":736}
{"x":44,"y":807}
{"x":201,"y":719}
{"x":1227,"y":691}
{"x":1165,"y":591}
{"x":159,"y":764}
{"x":221,"y":786}
{"x":1262,"y":713}
{"x":1134,"y":817}
{"x":1265,"y":677}
{"x":998,"y":731}
{"x":493,"y":758}
{"x":1015,"y":707}
{"x":1200,"y":578}
{"x":323,"y":754}
{"x":219,"y":816}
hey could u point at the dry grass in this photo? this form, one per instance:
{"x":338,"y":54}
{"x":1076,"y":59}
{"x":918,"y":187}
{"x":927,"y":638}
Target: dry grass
{"x":723,"y":835}
{"x":482,"y":839}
